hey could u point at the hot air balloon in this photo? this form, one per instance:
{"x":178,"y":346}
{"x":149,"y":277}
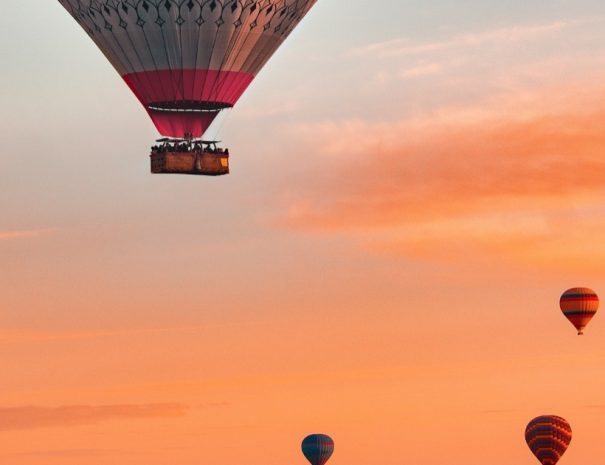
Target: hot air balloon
{"x":548,"y":437}
{"x":187,"y":60}
{"x":317,"y":448}
{"x":579,"y":305}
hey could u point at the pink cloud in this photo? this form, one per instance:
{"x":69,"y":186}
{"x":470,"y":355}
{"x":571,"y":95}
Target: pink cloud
{"x":508,"y":176}
{"x":72,"y":453}
{"x":31,"y":417}
{"x":402,"y":46}
{"x":8,"y":235}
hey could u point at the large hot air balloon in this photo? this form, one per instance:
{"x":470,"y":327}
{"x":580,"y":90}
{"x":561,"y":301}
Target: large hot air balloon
{"x":548,"y":437}
{"x":579,"y":304}
{"x":317,"y":448}
{"x":187,"y":60}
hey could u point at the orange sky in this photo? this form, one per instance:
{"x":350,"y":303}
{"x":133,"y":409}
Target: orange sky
{"x":383,"y":264}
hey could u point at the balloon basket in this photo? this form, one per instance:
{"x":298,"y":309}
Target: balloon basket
{"x":197,"y":162}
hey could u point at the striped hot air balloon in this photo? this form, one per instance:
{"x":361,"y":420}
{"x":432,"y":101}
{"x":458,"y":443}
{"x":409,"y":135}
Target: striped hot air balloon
{"x":548,"y":437}
{"x":579,"y":304}
{"x":317,"y":448}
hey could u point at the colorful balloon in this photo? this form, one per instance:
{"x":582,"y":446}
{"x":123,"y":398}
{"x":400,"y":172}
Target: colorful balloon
{"x":579,"y":305}
{"x":548,"y":437}
{"x":317,"y":448}
{"x":186,"y":60}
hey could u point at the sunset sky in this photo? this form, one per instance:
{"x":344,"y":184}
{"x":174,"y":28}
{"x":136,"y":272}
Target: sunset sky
{"x":413,"y":185}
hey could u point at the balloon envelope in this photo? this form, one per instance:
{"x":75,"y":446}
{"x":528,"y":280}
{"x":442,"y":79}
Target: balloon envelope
{"x":548,"y":437}
{"x":579,"y":305}
{"x":317,"y":448}
{"x":186,"y":60}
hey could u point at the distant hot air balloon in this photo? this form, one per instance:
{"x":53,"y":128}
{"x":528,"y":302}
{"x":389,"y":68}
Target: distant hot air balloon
{"x":186,"y":60}
{"x":579,"y":304}
{"x":317,"y":448}
{"x":548,"y":437}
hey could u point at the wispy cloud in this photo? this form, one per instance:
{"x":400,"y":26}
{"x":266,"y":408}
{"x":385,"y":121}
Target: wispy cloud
{"x":464,"y":66}
{"x":422,"y":69}
{"x":25,"y":336}
{"x":290,"y":105}
{"x":67,"y":453}
{"x":403,"y":46}
{"x":31,"y":417}
{"x":24,"y":234}
{"x":503,"y":178}
{"x":497,"y":411}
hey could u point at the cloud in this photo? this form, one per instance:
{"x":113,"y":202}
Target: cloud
{"x":23,"y":336}
{"x":275,"y":108}
{"x":595,"y":407}
{"x":497,"y":411}
{"x":9,"y":235}
{"x":214,"y":405}
{"x":403,"y":46}
{"x":463,"y":67}
{"x":31,"y":417}
{"x":519,"y":175}
{"x":424,"y":69}
{"x":66,"y":453}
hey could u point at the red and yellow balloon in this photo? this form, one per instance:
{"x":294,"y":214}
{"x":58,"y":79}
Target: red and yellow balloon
{"x":579,"y":305}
